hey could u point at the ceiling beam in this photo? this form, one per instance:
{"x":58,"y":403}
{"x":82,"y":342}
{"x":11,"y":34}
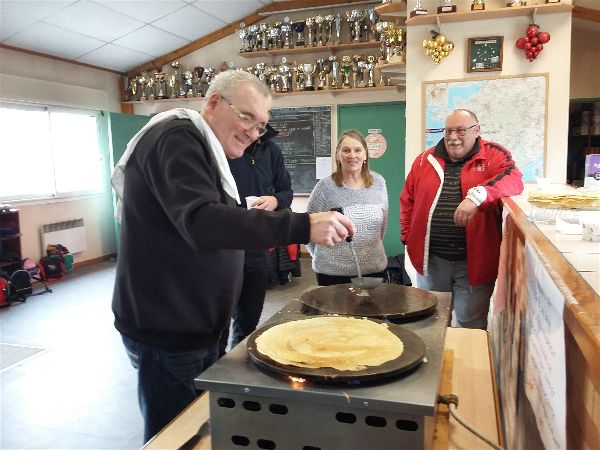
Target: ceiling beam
{"x":586,"y":13}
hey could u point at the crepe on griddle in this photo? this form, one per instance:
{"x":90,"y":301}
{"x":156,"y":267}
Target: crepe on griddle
{"x":342,"y":343}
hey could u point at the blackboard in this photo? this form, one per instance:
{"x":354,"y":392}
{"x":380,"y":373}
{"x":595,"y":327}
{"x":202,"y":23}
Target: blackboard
{"x":304,"y":135}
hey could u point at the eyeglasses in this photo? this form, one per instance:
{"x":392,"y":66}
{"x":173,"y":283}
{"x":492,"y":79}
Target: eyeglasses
{"x":459,"y":131}
{"x":247,"y":122}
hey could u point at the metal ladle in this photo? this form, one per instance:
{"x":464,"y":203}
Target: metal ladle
{"x":363,"y":283}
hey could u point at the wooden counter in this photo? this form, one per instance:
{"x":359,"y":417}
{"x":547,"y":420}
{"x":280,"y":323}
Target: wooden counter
{"x":467,"y":373}
{"x":567,"y":260}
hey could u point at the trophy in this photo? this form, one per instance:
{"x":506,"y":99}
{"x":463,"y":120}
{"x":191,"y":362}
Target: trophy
{"x":188,"y":83}
{"x":253,"y":37}
{"x":243,"y":35}
{"x":271,"y":78}
{"x":477,"y":5}
{"x":263,"y":29}
{"x":335,"y":70}
{"x":133,"y":88}
{"x":319,"y":20}
{"x":355,"y":16}
{"x":346,"y":69}
{"x":175,"y":79}
{"x":337,"y":27}
{"x":515,"y":3}
{"x":286,"y":30}
{"x":418,"y":10}
{"x":274,"y":36}
{"x":198,"y":72}
{"x":285,"y":75}
{"x":357,"y":71}
{"x":328,"y":28}
{"x":142,"y":81}
{"x":227,"y":65}
{"x":446,"y":6}
{"x":370,"y":66}
{"x":323,"y":68}
{"x":398,"y":45}
{"x":385,"y":30}
{"x":299,"y":29}
{"x":310,"y":26}
{"x":309,"y":70}
{"x":369,"y":24}
{"x":160,"y":86}
{"x":298,"y":77}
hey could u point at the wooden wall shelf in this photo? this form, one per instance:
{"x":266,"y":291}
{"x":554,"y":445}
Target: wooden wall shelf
{"x":395,"y":67}
{"x":322,"y":48}
{"x":488,"y":14}
{"x":339,"y":91}
{"x":392,"y":11}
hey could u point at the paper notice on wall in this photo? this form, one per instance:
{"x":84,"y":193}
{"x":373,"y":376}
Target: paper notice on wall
{"x":545,"y":369}
{"x":323,"y":167}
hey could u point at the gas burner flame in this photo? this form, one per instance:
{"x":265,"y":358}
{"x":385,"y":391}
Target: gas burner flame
{"x":297,"y":379}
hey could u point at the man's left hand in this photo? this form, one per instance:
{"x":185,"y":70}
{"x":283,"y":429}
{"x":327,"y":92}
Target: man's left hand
{"x":464,"y":213}
{"x":267,"y":202}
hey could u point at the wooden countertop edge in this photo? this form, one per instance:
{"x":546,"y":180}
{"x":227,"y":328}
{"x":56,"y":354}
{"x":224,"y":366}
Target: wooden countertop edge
{"x":581,"y":313}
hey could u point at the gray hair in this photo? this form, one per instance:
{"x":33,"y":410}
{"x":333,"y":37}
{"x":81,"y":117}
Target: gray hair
{"x":226,"y":83}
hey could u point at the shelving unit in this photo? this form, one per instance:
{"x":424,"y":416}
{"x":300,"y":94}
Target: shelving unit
{"x":488,"y":14}
{"x":10,"y":237}
{"x":322,"y":48}
{"x":584,"y":139}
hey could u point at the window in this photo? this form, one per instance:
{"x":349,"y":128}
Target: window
{"x":48,"y":152}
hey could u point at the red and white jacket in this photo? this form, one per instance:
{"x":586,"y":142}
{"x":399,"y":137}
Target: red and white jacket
{"x":493,"y":168}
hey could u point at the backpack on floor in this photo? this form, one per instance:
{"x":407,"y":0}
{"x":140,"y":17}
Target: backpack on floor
{"x":14,"y":287}
{"x":51,"y":268}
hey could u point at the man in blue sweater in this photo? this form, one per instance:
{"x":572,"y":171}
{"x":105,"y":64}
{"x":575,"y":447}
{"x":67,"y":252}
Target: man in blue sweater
{"x":259,"y":172}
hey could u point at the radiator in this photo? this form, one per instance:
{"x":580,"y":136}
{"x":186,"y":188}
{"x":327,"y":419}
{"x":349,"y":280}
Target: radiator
{"x":70,"y":233}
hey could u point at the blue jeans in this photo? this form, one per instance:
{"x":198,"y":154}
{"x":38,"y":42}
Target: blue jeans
{"x":470,"y":303}
{"x":166,"y":380}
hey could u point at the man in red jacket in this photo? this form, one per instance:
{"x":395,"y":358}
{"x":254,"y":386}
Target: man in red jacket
{"x":450,"y":216}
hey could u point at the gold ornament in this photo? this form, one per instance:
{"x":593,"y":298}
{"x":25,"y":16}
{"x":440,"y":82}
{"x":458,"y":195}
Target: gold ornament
{"x":438,"y":47}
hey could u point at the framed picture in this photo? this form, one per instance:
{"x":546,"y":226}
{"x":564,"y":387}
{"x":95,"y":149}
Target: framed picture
{"x":485,"y":54}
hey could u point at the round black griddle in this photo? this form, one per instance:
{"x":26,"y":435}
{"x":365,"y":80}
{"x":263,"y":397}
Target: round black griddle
{"x":389,"y":301}
{"x":411,"y":357}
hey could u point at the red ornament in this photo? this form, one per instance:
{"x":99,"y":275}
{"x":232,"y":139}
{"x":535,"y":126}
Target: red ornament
{"x":532,"y":42}
{"x":543,"y":37}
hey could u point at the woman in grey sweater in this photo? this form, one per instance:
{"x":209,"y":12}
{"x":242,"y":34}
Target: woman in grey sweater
{"x":362,"y":195}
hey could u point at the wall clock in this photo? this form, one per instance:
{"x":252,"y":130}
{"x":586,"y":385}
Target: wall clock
{"x":485,"y":54}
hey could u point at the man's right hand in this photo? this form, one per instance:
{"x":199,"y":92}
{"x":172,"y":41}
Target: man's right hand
{"x":330,"y":228}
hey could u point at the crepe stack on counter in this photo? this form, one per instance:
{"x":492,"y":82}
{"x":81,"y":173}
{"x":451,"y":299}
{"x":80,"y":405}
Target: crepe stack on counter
{"x":573,"y":199}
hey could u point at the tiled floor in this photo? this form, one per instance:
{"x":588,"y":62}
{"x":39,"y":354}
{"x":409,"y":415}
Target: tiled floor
{"x":80,"y":391}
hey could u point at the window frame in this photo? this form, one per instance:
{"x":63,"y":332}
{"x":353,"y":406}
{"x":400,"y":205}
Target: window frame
{"x":101,"y":154}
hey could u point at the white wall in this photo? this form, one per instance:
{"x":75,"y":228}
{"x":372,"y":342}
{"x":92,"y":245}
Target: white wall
{"x":36,"y":79}
{"x":554,"y":60}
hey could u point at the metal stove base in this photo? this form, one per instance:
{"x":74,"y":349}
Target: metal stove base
{"x":253,"y":422}
{"x":252,"y":409}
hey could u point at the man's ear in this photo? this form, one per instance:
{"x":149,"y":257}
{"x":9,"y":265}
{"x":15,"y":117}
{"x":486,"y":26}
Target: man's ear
{"x":212,"y":101}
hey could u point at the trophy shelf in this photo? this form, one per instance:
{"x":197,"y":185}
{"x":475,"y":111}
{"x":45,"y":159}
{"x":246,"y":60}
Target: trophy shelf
{"x":164,"y":100}
{"x":488,"y":14}
{"x":321,"y":48}
{"x":394,"y":67}
{"x":337,"y":91}
{"x":273,"y":94}
{"x":392,"y":11}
